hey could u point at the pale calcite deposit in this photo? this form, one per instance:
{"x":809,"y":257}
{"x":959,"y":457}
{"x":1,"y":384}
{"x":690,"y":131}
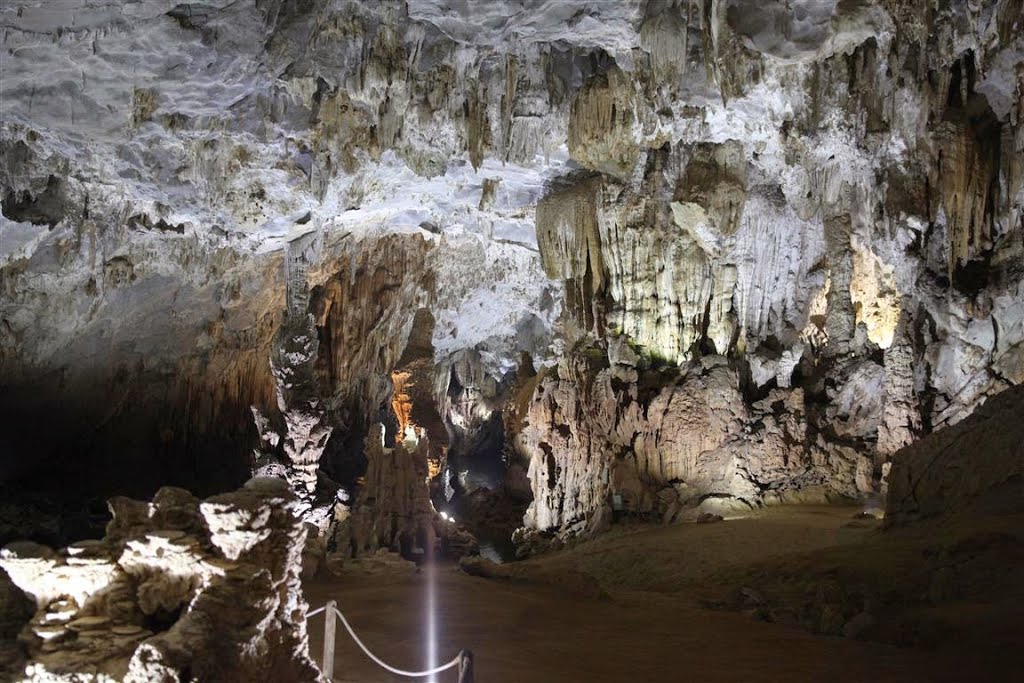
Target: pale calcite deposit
{"x":811,"y":211}
{"x":831,"y":223}
{"x":179,"y":589}
{"x":875,"y":298}
{"x":643,"y":441}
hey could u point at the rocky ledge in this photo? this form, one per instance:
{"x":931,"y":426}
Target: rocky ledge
{"x":178,"y":589}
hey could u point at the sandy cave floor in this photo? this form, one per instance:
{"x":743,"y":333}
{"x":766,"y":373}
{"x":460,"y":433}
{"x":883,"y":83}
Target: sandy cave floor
{"x":626,"y":607}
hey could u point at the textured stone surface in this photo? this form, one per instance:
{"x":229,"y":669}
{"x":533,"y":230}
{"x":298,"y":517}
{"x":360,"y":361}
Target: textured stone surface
{"x":828,"y":195}
{"x":651,"y":443}
{"x":393,"y":510}
{"x":975,"y":466}
{"x":178,"y":590}
{"x":858,"y":293}
{"x":160,"y":296}
{"x":16,"y":609}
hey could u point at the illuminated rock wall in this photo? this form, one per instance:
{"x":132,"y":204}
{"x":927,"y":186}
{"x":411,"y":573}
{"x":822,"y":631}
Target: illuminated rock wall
{"x":832,"y":213}
{"x":179,"y":589}
{"x":393,"y":511}
{"x":624,"y":437}
{"x":827,"y":195}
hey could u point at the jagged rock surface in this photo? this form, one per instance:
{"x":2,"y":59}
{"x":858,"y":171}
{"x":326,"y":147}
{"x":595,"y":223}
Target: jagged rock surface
{"x":646,"y":442}
{"x":179,"y":589}
{"x":827,"y":194}
{"x":16,"y":609}
{"x":393,"y":510}
{"x":140,"y":271}
{"x":829,"y":223}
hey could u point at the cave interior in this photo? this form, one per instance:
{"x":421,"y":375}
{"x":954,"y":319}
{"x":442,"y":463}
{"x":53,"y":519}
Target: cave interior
{"x":607,"y":339}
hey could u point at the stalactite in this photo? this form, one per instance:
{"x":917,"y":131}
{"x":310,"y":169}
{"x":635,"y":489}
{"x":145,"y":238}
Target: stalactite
{"x":570,"y":242}
{"x":604,"y":124}
{"x":477,"y":126}
{"x":508,"y":100}
{"x":964,"y":178}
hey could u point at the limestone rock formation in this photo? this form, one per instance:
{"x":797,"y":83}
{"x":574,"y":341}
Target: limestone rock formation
{"x":394,"y":507}
{"x":854,"y":294}
{"x":162,"y":296}
{"x":809,"y":213}
{"x":640,"y":441}
{"x":16,"y":609}
{"x":974,"y":467}
{"x":471,"y":400}
{"x":299,"y":396}
{"x":393,"y":510}
{"x":179,"y":589}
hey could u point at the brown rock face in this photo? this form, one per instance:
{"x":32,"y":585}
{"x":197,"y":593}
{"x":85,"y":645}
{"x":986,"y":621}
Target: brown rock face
{"x":179,"y":589}
{"x":975,"y":466}
{"x":119,"y":418}
{"x":650,"y":443}
{"x":393,"y":510}
{"x":364,"y":303}
{"x":570,"y":246}
{"x":413,"y":400}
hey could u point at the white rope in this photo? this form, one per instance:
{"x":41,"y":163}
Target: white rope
{"x":378,"y":660}
{"x":315,"y":612}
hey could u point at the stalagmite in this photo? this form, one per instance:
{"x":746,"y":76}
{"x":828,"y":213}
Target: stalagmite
{"x":299,"y":396}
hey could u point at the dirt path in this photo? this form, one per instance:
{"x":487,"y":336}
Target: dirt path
{"x":525,"y":629}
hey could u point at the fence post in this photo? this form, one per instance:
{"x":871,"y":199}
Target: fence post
{"x":329,"y":623}
{"x":466,"y":666}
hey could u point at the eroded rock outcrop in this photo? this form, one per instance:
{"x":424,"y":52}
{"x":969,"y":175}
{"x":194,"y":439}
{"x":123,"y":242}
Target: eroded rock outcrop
{"x":393,"y":510}
{"x":855,"y":292}
{"x":951,"y":534}
{"x":974,"y":467}
{"x":16,"y":609}
{"x":631,"y":439}
{"x":826,"y":194}
{"x":179,"y":589}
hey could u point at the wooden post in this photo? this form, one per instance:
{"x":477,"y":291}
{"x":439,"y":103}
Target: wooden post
{"x":466,"y":667}
{"x":329,"y":623}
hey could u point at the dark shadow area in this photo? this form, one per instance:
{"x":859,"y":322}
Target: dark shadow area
{"x":64,"y":450}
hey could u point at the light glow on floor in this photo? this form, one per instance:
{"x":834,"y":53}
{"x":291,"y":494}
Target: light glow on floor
{"x":431,"y":618}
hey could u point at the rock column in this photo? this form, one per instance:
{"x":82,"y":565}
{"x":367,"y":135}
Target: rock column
{"x":293,"y":362}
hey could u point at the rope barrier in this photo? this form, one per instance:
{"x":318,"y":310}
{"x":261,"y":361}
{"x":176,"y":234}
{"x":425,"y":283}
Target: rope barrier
{"x":463,"y":658}
{"x":400,"y":672}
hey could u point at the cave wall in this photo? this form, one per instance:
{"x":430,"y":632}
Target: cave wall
{"x":130,"y":353}
{"x":975,"y":467}
{"x":148,"y":201}
{"x":785,"y":282}
{"x":809,"y":211}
